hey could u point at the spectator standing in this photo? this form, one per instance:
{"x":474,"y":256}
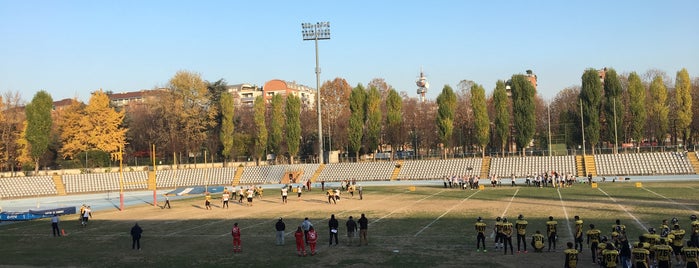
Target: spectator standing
{"x":136,"y":232}
{"x":363,"y":226}
{"x":300,"y":246}
{"x":280,"y":227}
{"x":235,"y":232}
{"x":312,"y":239}
{"x":306,"y":225}
{"x":333,"y":225}
{"x":54,"y":225}
{"x":351,"y":229}
{"x":167,"y":202}
{"x":360,"y":191}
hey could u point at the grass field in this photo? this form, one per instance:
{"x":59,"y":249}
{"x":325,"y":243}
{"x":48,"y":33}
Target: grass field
{"x":430,"y":226}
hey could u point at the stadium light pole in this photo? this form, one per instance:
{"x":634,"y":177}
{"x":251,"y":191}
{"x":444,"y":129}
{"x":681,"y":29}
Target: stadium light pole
{"x":317,"y":31}
{"x":582,"y":127}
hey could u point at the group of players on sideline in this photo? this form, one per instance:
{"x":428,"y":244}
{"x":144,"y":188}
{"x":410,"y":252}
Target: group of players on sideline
{"x":541,"y":180}
{"x":653,"y":249}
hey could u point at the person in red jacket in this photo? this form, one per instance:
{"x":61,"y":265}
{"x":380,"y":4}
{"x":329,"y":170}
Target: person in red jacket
{"x":312,"y":238}
{"x":236,"y":238}
{"x":300,"y":244}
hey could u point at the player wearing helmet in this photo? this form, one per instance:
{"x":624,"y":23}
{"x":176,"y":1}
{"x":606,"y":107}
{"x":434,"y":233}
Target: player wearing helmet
{"x":551,"y":232}
{"x":521,"y":226}
{"x":593,"y":236}
{"x":507,"y":235}
{"x":480,"y":234}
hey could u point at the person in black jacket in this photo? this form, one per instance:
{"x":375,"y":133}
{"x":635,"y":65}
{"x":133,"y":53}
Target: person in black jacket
{"x":333,"y":225}
{"x":280,"y":226}
{"x":363,"y":226}
{"x":351,"y":230}
{"x":136,"y":237}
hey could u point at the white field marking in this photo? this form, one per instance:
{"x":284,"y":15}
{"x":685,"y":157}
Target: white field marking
{"x":394,"y":211}
{"x":668,"y":199}
{"x":510,"y":203}
{"x":445,"y":213}
{"x":643,"y":227}
{"x":565,"y":212}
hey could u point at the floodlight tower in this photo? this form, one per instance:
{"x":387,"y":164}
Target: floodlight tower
{"x":317,"y":31}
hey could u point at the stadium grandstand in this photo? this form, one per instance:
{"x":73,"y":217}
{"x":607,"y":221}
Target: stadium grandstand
{"x":643,"y":164}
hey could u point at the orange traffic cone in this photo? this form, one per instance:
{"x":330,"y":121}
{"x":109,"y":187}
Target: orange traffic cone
{"x":63,"y":232}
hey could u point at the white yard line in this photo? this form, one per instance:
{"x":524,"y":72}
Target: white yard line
{"x":668,"y":199}
{"x":643,"y":227}
{"x":565,"y":212}
{"x":510,"y":203}
{"x":445,"y":213}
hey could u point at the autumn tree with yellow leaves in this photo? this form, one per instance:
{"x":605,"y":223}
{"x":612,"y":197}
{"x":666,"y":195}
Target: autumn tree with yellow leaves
{"x":95,"y":126}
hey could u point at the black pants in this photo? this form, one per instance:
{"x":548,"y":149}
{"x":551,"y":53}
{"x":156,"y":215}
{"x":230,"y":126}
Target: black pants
{"x":552,"y":240}
{"x":54,"y":227}
{"x":167,"y":204}
{"x":593,"y":249}
{"x":333,"y":235}
{"x":136,"y":242}
{"x":480,"y":238}
{"x":507,"y":240}
{"x":523,"y":240}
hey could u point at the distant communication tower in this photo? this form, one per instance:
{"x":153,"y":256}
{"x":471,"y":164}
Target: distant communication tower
{"x":422,"y":85}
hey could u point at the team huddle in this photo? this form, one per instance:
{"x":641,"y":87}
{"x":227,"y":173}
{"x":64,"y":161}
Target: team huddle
{"x":653,"y":249}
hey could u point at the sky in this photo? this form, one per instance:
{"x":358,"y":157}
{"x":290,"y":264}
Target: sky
{"x":71,"y":48}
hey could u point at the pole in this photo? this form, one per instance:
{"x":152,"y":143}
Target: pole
{"x":582,"y":127}
{"x":616,"y":140}
{"x":320,"y":123}
{"x":121,"y":180}
{"x":155,"y":176}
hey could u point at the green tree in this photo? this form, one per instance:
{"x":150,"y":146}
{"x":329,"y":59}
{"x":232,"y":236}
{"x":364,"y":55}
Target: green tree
{"x":502,"y":114}
{"x":637,"y":107}
{"x":187,"y":112}
{"x":356,"y":121}
{"x":612,"y":111}
{"x":227,"y":124}
{"x":38,"y":134}
{"x":276,"y":124}
{"x":480,"y":114}
{"x":446,"y":104}
{"x":591,"y":96}
{"x":373,"y":121}
{"x":293,"y":126}
{"x":215,"y":93}
{"x":683,"y":98}
{"x":658,"y":110}
{"x":260,"y":128}
{"x":523,"y":110}
{"x":394,"y":119}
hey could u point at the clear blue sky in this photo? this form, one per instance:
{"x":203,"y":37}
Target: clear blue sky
{"x":70,"y":48}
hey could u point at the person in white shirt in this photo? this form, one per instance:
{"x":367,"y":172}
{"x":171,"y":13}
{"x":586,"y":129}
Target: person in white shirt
{"x":54,"y":225}
{"x":285,"y":193}
{"x":87,"y":214}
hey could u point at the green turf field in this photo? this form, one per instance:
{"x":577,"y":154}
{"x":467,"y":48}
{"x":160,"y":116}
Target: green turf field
{"x":430,"y":226}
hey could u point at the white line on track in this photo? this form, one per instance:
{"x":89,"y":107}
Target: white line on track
{"x":445,"y":213}
{"x":565,"y":212}
{"x":668,"y":199}
{"x":643,"y":227}
{"x":510,"y":203}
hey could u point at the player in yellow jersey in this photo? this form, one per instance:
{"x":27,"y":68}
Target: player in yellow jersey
{"x":571,"y":256}
{"x":480,"y":234}
{"x":538,"y":241}
{"x":677,"y":241}
{"x":498,"y":232}
{"x":639,"y":256}
{"x":690,"y":255}
{"x":593,"y":236}
{"x":652,"y":239}
{"x":521,"y":226}
{"x":507,"y":235}
{"x":662,"y":254}
{"x":578,"y":233}
{"x":618,"y":227}
{"x":610,"y":256}
{"x":551,"y":232}
{"x":695,"y":230}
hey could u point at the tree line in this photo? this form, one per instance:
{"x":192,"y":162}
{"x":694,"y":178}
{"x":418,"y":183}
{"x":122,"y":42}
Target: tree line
{"x":191,"y":119}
